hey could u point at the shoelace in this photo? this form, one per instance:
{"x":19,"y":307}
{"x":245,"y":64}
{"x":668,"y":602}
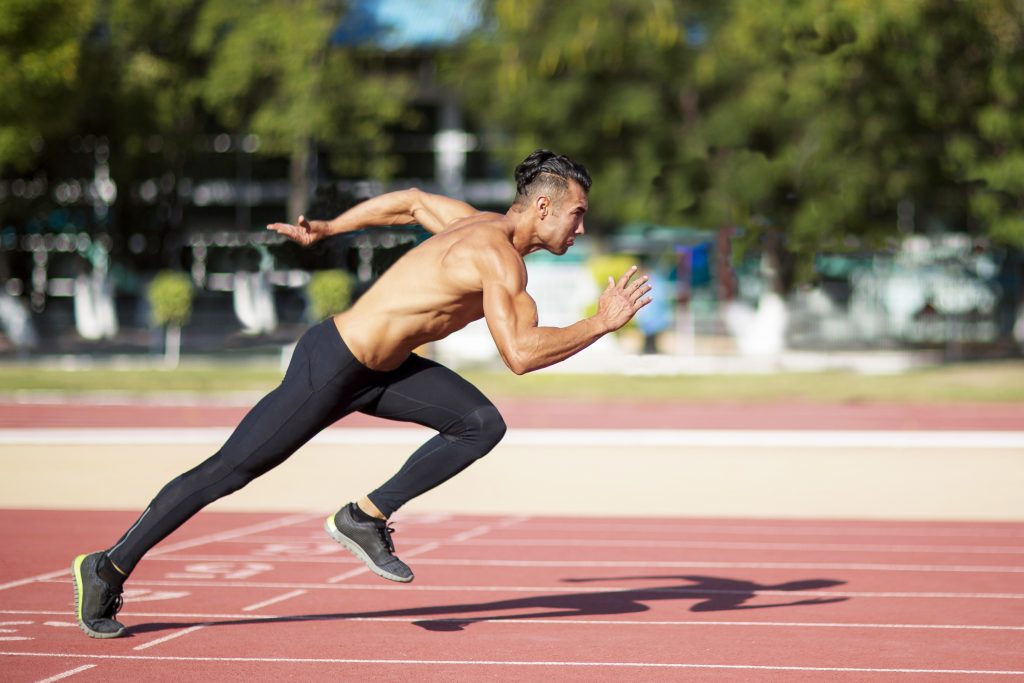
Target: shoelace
{"x":385,"y":530}
{"x":112,"y":605}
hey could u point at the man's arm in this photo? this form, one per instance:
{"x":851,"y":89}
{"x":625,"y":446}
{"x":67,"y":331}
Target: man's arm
{"x":511,"y":316}
{"x":404,"y":207}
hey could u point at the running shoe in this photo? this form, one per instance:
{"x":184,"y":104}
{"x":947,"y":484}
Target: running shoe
{"x":96,"y":603}
{"x":370,"y":542}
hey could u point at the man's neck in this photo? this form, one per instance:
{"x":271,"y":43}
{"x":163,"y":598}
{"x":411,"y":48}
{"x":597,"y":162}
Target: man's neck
{"x":523,"y":235}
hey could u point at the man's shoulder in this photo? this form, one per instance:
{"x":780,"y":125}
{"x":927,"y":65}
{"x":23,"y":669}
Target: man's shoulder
{"x":488,"y":245}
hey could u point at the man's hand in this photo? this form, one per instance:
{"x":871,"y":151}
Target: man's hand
{"x":305,"y":233}
{"x":621,"y":300}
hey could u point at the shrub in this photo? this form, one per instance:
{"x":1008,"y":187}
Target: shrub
{"x":170,"y":298}
{"x":330,"y":292}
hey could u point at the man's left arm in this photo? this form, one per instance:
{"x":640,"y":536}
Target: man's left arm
{"x":403,"y":207}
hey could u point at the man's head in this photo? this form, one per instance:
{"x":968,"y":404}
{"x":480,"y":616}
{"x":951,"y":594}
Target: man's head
{"x":545,"y":172}
{"x":556,"y":188}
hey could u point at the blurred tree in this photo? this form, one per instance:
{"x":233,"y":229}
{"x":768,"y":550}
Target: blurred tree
{"x":141,"y":87}
{"x":40,"y":60}
{"x":812,"y":124}
{"x":330,"y":292}
{"x":607,"y":82}
{"x":837,"y":124}
{"x":170,"y":299}
{"x":276,"y":72}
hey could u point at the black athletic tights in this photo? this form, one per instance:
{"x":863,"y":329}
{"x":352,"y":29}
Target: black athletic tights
{"x":325,"y":382}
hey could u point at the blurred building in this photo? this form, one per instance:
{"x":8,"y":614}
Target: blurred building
{"x":69,"y":274}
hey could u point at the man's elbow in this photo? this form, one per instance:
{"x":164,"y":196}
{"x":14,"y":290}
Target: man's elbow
{"x":517,"y":363}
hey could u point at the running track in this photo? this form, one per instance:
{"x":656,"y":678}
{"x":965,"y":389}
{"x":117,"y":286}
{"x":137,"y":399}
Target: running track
{"x":269,"y":597}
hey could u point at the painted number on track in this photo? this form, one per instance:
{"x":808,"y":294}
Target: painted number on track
{"x":235,"y":571}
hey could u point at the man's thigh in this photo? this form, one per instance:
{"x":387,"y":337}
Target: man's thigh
{"x":426,"y":393}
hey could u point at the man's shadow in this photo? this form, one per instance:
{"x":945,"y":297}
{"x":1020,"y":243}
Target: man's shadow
{"x":713,"y":594}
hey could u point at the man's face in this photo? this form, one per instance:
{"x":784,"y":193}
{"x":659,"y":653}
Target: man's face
{"x":563,"y":221}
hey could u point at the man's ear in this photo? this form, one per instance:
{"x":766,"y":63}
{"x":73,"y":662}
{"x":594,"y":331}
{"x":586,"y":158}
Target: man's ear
{"x":543,"y":206}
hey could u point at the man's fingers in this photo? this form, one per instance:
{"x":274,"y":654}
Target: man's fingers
{"x":640,"y":281}
{"x":626,"y":276}
{"x":291,"y":231}
{"x":640,"y":303}
{"x":639,"y":292}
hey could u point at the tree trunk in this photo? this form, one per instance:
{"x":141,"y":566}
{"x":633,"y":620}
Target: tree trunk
{"x":299,"y":181}
{"x":172,"y":347}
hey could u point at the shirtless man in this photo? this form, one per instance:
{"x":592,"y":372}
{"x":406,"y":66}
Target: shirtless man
{"x":362,"y":360}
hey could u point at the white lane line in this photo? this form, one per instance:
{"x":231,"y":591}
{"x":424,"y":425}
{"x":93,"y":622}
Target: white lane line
{"x":563,"y":590}
{"x":201,"y":540}
{"x":730,"y":545}
{"x":38,"y":577}
{"x":709,"y":545}
{"x":1007,"y":530}
{"x":176,"y":634}
{"x":209,"y":617}
{"x":362,"y":568}
{"x":234,"y":533}
{"x":485,"y":663}
{"x":923,"y":568}
{"x":68,"y":674}
{"x":275,"y":600}
{"x":434,"y":545}
{"x":806,"y":527}
{"x":460,"y":562}
{"x":633,"y":438}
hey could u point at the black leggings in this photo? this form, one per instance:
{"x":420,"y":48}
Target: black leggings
{"x":325,"y":382}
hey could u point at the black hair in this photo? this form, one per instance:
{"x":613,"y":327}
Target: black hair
{"x":544,"y":166}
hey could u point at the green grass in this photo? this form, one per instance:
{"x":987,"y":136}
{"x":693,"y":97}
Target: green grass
{"x":976,"y":382}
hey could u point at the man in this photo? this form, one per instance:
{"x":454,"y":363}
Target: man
{"x":361,"y":360}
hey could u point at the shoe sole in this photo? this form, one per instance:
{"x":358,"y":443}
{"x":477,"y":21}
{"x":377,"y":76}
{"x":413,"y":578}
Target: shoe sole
{"x":77,"y":582}
{"x":354,"y":548}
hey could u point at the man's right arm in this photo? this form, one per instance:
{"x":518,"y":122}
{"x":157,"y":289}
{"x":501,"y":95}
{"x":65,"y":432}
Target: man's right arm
{"x":403,"y":207}
{"x":511,"y":316}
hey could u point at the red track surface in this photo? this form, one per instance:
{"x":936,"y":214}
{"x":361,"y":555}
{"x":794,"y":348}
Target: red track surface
{"x":268,"y":597}
{"x":567,"y":415}
{"x":259,"y":597}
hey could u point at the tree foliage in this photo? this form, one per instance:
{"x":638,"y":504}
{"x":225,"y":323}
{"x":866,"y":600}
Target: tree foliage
{"x":330,"y":292}
{"x":170,"y":298}
{"x":811,"y":124}
{"x":40,"y":62}
{"x":275,"y":71}
{"x":820,"y":119}
{"x":606,"y":82}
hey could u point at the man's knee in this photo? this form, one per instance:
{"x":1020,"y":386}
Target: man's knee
{"x":487,"y":426}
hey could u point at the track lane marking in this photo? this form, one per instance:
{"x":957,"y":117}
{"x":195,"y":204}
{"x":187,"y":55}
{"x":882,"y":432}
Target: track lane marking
{"x":172,"y":636}
{"x":275,"y":600}
{"x":710,"y":545}
{"x":656,"y":564}
{"x":563,"y":589}
{"x":510,"y":663}
{"x":207,"y":617}
{"x":201,"y":540}
{"x":434,"y":545}
{"x":711,"y":438}
{"x":68,"y":674}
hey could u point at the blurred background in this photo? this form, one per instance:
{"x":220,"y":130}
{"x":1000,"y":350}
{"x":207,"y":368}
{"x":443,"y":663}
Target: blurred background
{"x":814,"y":185}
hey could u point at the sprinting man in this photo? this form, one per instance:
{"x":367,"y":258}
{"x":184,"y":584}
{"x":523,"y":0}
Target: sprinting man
{"x":361,"y":360}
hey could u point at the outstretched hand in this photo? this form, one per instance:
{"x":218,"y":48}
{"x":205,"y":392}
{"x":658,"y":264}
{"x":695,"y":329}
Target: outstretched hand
{"x":305,"y":233}
{"x":623,"y":298}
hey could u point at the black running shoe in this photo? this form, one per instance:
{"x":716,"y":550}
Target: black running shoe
{"x":96,"y":603}
{"x":370,"y":542}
